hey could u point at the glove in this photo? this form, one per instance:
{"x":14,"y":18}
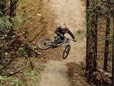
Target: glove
{"x":74,"y":40}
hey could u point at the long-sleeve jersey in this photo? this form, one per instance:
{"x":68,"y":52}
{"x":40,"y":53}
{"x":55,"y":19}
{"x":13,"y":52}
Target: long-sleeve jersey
{"x":61,"y":31}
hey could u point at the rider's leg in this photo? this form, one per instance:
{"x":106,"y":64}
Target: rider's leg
{"x":62,"y":38}
{"x":57,"y":39}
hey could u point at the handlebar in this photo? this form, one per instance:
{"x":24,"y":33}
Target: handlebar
{"x":67,"y":39}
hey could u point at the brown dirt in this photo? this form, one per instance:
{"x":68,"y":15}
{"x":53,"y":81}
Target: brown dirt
{"x":72,"y":13}
{"x":76,"y":73}
{"x":55,"y":74}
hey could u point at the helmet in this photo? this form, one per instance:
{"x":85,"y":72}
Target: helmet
{"x":63,"y":26}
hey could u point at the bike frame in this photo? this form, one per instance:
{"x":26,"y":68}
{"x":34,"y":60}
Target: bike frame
{"x":66,"y":40}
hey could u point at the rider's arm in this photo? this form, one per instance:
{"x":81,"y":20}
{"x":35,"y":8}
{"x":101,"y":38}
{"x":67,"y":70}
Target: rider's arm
{"x":71,"y":34}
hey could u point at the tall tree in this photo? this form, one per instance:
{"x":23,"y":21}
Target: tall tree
{"x":113,"y":49}
{"x":13,"y":6}
{"x":2,"y":7}
{"x":91,"y":52}
{"x":106,"y":54}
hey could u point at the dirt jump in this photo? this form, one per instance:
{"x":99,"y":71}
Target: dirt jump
{"x":71,"y":12}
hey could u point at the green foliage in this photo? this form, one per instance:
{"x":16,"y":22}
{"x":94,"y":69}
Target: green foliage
{"x":4,"y":78}
{"x":17,"y":21}
{"x":34,"y":75}
{"x":12,"y":81}
{"x":4,"y":46}
{"x":5,"y":24}
{"x":79,"y":32}
{"x":21,"y":51}
{"x":29,"y":79}
{"x":10,"y":24}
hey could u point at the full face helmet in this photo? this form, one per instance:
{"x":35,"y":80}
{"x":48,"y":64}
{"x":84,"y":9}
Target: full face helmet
{"x":63,"y":26}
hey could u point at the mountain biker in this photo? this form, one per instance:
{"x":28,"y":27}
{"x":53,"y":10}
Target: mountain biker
{"x":60,"y":31}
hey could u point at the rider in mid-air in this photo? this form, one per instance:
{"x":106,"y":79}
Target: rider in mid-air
{"x":60,"y":31}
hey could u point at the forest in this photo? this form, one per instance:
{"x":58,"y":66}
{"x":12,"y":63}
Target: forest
{"x":90,"y":61}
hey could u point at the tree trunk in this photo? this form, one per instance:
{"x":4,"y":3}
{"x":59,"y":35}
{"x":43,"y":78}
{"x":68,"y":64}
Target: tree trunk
{"x":91,"y":52}
{"x":113,"y":51}
{"x":13,"y":6}
{"x":2,"y":7}
{"x":106,"y":54}
{"x":95,"y":18}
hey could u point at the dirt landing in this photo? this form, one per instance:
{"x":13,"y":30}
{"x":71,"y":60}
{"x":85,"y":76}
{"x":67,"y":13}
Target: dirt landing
{"x":55,"y":74}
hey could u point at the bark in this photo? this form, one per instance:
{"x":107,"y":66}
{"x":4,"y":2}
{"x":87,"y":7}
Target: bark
{"x":107,"y":34}
{"x":2,"y":6}
{"x":113,"y":51}
{"x":91,"y":53}
{"x":13,"y":6}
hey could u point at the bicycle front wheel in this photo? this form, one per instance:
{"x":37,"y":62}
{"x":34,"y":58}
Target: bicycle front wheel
{"x":44,"y":43}
{"x":66,"y":51}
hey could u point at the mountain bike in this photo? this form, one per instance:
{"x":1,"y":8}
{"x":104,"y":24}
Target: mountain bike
{"x":46,"y":43}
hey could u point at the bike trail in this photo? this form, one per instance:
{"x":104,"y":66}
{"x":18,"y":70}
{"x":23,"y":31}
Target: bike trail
{"x":71,"y":12}
{"x":55,"y":74}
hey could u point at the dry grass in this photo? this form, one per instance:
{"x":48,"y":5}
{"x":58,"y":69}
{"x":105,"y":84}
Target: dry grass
{"x":36,"y":25}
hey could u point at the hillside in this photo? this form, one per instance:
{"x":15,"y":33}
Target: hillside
{"x":36,"y":19}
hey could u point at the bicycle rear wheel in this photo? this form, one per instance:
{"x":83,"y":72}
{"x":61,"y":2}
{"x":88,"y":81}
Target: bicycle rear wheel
{"x":66,"y":51}
{"x":44,"y":43}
